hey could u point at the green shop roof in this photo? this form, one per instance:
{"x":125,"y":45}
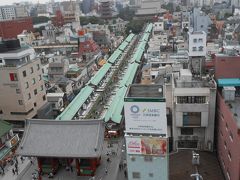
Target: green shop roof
{"x":5,"y":127}
{"x":100,"y":74}
{"x":75,"y":105}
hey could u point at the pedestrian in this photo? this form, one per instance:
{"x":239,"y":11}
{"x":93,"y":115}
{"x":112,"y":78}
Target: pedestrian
{"x":106,"y":171}
{"x":16,"y":170}
{"x":16,"y":165}
{"x":13,"y":171}
{"x":108,"y":160}
{"x":31,"y":161}
{"x":22,"y":159}
{"x":125,"y":173}
{"x":71,"y":168}
{"x":120,"y":166}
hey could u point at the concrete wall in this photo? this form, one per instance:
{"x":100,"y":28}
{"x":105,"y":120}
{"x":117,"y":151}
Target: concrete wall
{"x":225,"y":117}
{"x":158,"y":167}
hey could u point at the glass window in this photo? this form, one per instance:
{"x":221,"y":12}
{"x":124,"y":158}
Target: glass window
{"x":24,"y":73}
{"x":41,"y":88}
{"x":186,"y":131}
{"x":38,"y":66}
{"x":33,"y":81}
{"x":194,"y":48}
{"x":13,"y":76}
{"x":18,"y":91}
{"x":31,"y":70}
{"x":26,"y":85}
{"x":39,"y":77}
{"x":35,"y":104}
{"x":44,"y":98}
{"x":191,"y":118}
{"x":20,"y":102}
{"x":35,"y":91}
{"x":136,"y":175}
{"x":29,"y":96}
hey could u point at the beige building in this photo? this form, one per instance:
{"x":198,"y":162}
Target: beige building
{"x":22,"y":90}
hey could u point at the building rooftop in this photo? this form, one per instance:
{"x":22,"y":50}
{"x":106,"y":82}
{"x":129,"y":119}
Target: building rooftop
{"x":145,"y":91}
{"x":51,"y":138}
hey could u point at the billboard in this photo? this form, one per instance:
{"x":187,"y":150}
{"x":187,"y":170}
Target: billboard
{"x":146,"y":117}
{"x":154,"y":146}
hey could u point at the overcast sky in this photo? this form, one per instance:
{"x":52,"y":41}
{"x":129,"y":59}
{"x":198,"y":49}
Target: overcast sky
{"x":9,"y":2}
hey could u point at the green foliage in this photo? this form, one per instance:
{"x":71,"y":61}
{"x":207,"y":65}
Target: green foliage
{"x":168,"y":7}
{"x":126,"y":14}
{"x":40,"y":19}
{"x":91,"y":19}
{"x":40,"y":29}
{"x":135,"y":26}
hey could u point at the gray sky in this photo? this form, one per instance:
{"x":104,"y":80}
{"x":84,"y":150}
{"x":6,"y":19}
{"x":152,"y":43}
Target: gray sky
{"x":9,"y":2}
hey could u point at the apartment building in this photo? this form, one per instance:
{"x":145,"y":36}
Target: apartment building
{"x":22,"y":90}
{"x":228,"y":127}
{"x":194,"y":102}
{"x":7,"y":13}
{"x":226,"y":65}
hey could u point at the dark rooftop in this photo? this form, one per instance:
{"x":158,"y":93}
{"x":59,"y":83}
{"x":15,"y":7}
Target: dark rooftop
{"x":146,"y":91}
{"x":181,"y":166}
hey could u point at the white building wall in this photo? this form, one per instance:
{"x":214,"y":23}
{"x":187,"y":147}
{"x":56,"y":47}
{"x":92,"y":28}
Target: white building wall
{"x":197,"y":43}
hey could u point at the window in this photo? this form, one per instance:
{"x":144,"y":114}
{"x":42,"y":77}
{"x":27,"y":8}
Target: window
{"x":186,"y":131}
{"x":226,"y":127}
{"x":13,"y":76}
{"x":33,"y":81}
{"x":53,"y":105}
{"x":44,"y":98}
{"x":24,"y":73}
{"x":35,"y":91}
{"x":31,"y":70}
{"x":26,"y":85}
{"x":1,"y":61}
{"x":38,"y":66}
{"x":41,"y":88}
{"x":148,"y":158}
{"x":29,"y":96}
{"x":228,"y":176}
{"x":191,"y":118}
{"x":18,"y":91}
{"x":225,"y":145}
{"x":231,"y":136}
{"x":20,"y":102}
{"x":35,"y":104}
{"x":136,"y":175}
{"x":1,"y":112}
{"x":194,"y":49}
{"x":39,"y":77}
{"x":200,"y":48}
{"x":229,"y":156}
{"x":150,"y":174}
{"x":194,"y":40}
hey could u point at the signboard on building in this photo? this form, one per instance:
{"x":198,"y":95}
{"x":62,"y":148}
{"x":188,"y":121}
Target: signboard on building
{"x":155,"y":146}
{"x":146,"y":117}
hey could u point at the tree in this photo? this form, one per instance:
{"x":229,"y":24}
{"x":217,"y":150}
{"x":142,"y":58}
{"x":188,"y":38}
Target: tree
{"x":40,"y":19}
{"x":126,"y":14}
{"x":178,"y":9}
{"x":135,"y":26}
{"x":168,"y":7}
{"x":40,"y":29}
{"x":91,"y":19}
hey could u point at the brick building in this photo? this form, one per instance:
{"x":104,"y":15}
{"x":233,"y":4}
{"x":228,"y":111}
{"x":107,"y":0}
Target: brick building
{"x":10,"y":29}
{"x":227,"y":75}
